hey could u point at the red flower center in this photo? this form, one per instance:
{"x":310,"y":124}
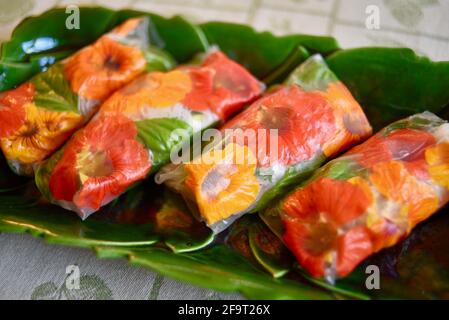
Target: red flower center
{"x":275,"y":118}
{"x":235,"y":85}
{"x":112,"y":63}
{"x":321,"y":239}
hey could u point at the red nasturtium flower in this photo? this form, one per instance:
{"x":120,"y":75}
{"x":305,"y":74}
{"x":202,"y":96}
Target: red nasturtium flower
{"x":227,"y":85}
{"x":99,"y":163}
{"x":202,"y":79}
{"x":98,"y":70}
{"x":12,"y":111}
{"x":232,"y":83}
{"x":304,"y":122}
{"x":406,"y":145}
{"x":371,"y":152}
{"x":409,"y":146}
{"x":314,"y":218}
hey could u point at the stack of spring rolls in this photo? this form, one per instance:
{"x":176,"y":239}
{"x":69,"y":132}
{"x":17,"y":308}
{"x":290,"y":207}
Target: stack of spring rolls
{"x":131,"y":116}
{"x":41,"y":114}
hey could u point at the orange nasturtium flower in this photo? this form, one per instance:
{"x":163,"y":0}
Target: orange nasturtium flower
{"x":225,"y":83}
{"x":318,"y":230}
{"x":223,"y":182}
{"x":438,"y":159}
{"x":371,"y":152}
{"x":98,"y":70}
{"x":99,"y":163}
{"x":42,"y":132}
{"x":153,"y":90}
{"x":394,"y":182}
{"x":352,"y":124}
{"x":304,"y":122}
{"x":12,"y":113}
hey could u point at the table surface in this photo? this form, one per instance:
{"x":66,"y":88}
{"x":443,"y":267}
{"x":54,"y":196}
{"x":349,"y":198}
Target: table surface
{"x":32,"y":269}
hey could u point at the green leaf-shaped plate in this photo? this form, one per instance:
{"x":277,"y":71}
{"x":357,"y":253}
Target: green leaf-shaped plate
{"x":152,"y":227}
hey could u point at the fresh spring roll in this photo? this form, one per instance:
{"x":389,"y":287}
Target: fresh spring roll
{"x":40,"y":115}
{"x":368,"y":199}
{"x":279,"y":140}
{"x":138,"y":127}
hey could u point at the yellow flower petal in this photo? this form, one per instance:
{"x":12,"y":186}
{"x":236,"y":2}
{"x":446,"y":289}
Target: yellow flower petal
{"x":223,"y":182}
{"x":41,"y":134}
{"x":438,"y":159}
{"x":154,"y":90}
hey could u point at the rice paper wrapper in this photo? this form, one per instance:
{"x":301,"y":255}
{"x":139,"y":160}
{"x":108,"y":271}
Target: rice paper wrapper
{"x":368,"y":199}
{"x":41,"y":114}
{"x":140,"y":127}
{"x":275,"y":143}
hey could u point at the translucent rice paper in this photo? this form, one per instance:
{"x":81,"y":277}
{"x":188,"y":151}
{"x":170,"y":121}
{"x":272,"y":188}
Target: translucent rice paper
{"x":139,"y":127}
{"x":273,"y":144}
{"x":368,"y":199}
{"x":40,"y":115}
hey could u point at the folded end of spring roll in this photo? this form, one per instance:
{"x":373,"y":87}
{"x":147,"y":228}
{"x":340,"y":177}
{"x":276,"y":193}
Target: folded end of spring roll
{"x":368,"y":199}
{"x":275,"y":143}
{"x":41,"y":114}
{"x":140,"y":127}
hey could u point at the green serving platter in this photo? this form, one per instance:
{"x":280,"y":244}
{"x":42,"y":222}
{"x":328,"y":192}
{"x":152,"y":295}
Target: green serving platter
{"x":151,"y":226}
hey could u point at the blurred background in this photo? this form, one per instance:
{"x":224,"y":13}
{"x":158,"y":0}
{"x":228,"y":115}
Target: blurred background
{"x":31,"y":269}
{"x":419,"y":24}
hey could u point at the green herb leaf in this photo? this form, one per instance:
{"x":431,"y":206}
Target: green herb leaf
{"x":163,"y":136}
{"x":53,"y":91}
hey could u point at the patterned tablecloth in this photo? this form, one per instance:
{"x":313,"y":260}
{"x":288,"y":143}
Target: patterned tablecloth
{"x":32,"y":269}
